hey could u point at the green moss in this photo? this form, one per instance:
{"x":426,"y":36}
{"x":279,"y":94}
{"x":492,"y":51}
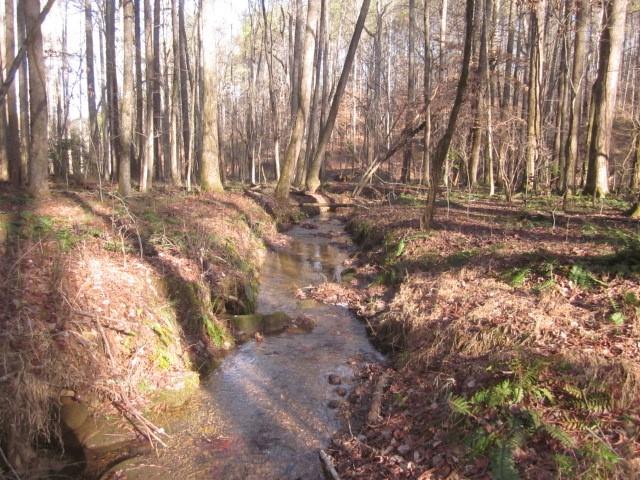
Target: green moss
{"x":177,"y":394}
{"x":214,"y":331}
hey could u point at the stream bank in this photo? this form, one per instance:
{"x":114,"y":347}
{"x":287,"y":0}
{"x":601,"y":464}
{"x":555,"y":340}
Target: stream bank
{"x":275,"y":401}
{"x":114,"y":313}
{"x":515,"y":336}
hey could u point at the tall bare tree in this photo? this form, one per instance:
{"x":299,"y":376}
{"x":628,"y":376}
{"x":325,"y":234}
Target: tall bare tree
{"x":576,"y":86}
{"x":304,"y":98}
{"x":128,"y":123}
{"x":442,"y":150}
{"x":38,"y":107}
{"x":313,"y":175}
{"x":604,"y":94}
{"x":210,"y":179}
{"x":536,"y":76}
{"x":13,"y":123}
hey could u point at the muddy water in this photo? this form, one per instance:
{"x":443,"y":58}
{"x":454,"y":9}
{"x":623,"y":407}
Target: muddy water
{"x":263,"y":414}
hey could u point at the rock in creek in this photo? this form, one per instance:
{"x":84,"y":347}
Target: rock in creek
{"x":247,"y":326}
{"x":335,"y":379}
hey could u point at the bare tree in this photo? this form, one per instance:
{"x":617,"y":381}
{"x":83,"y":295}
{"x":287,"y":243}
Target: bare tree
{"x":536,"y":76}
{"x":313,"y":175}
{"x":210,"y":179}
{"x":442,"y":149}
{"x":604,"y":94}
{"x":304,"y":98}
{"x":38,"y":107}
{"x":13,"y":124}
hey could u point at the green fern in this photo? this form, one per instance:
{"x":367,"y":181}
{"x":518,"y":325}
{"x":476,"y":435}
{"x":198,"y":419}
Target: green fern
{"x":480,"y":442}
{"x":518,"y":276}
{"x":502,"y":463}
{"x":583,"y":278}
{"x":560,"y":435}
{"x":565,"y":465}
{"x":461,"y":406}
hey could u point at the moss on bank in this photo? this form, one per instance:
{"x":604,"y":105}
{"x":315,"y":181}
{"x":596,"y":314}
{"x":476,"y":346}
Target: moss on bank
{"x":113,"y":306}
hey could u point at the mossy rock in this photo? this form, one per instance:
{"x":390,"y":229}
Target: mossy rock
{"x":96,"y":431}
{"x":270,"y":324}
{"x":182,"y":389}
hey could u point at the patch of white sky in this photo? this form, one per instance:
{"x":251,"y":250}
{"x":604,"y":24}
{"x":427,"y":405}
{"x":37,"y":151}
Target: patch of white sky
{"x":69,"y":14}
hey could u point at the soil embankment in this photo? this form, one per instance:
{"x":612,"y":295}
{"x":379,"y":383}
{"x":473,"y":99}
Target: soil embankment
{"x":516,"y":339}
{"x":111,"y":309}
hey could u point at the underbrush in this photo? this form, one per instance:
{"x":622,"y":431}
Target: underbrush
{"x":516,"y":345}
{"x":113,"y":307}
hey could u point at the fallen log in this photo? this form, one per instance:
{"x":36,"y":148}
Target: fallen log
{"x":376,"y":402}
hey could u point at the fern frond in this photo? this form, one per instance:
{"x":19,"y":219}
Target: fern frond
{"x":502,"y":464}
{"x":461,"y":406}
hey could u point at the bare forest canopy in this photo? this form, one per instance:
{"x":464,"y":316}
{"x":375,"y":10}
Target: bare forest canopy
{"x":511,"y":96}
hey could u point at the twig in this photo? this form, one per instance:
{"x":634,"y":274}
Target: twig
{"x":327,"y":462}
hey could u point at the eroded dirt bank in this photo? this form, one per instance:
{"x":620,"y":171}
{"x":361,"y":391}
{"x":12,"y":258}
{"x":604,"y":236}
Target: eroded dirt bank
{"x":272,"y":404}
{"x":516,"y":340}
{"x":112,"y":310}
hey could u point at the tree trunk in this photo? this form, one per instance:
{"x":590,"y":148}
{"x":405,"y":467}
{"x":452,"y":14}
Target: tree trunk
{"x":426,"y":177}
{"x":304,"y":94}
{"x":112,"y":89}
{"x":477,"y":133}
{"x":146,"y":172}
{"x":140,"y":113}
{"x":156,"y":85}
{"x":534,"y":105}
{"x":313,"y":176}
{"x":295,"y":67}
{"x":604,"y":96}
{"x":407,"y":157}
{"x":23,"y":85}
{"x":210,"y":165}
{"x":38,"y":109}
{"x":442,"y":149}
{"x":13,"y":124}
{"x":273,"y":95}
{"x":184,"y":84}
{"x":177,"y":150}
{"x":128,"y":99}
{"x":4,"y":157}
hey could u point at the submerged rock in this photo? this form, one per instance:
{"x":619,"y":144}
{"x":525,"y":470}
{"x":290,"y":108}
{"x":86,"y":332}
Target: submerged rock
{"x":247,"y":326}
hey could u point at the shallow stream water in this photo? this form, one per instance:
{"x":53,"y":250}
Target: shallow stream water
{"x":264,"y":413}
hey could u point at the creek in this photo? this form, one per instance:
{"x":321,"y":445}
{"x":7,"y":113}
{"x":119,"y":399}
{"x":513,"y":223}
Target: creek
{"x":265,"y":412}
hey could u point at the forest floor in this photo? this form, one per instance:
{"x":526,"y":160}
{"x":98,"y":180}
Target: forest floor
{"x":515,"y":337}
{"x":111,"y":309}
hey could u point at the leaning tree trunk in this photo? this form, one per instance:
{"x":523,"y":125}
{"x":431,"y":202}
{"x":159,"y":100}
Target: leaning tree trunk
{"x":313,"y":176}
{"x":38,"y":108}
{"x":575,"y":87}
{"x":304,"y":98}
{"x":210,"y":179}
{"x":442,"y":149}
{"x":604,"y":96}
